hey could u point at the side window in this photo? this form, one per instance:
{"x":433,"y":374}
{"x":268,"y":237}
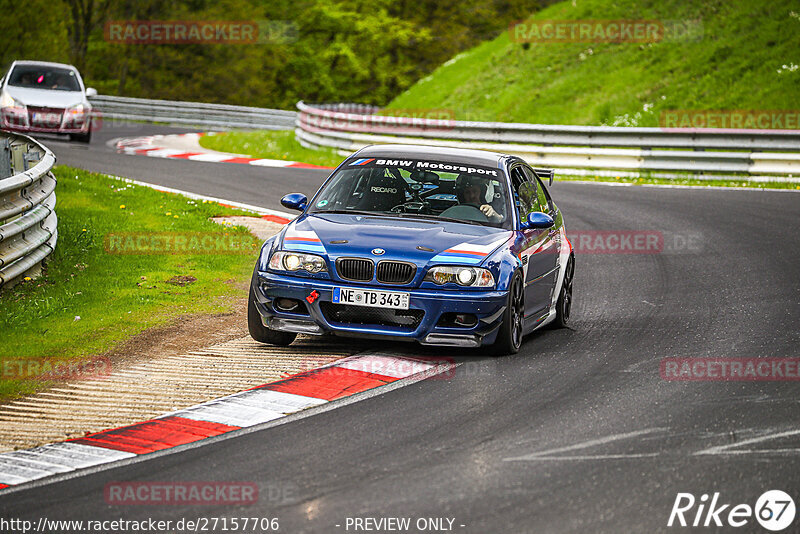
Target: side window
{"x":524,"y":193}
{"x":527,"y":194}
{"x":517,"y":179}
{"x":540,"y":203}
{"x":545,"y":196}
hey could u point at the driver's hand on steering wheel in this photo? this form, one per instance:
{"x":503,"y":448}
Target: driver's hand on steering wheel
{"x":490,"y":213}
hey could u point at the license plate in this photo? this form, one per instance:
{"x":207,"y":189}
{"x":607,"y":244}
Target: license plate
{"x":47,"y":118}
{"x":370,"y":297}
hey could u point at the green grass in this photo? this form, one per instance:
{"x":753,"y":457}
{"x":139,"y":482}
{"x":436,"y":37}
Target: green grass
{"x":272,"y":144}
{"x":116,"y":296}
{"x":733,"y":66}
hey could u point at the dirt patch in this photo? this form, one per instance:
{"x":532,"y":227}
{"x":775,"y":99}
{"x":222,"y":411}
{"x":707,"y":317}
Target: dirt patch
{"x":193,"y":332}
{"x":183,"y":334}
{"x":181,"y":280}
{"x":259,"y":227}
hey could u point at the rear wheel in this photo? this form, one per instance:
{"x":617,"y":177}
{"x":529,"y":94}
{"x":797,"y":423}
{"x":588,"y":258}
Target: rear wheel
{"x":261,"y":333}
{"x":564,"y":303}
{"x":509,"y":338}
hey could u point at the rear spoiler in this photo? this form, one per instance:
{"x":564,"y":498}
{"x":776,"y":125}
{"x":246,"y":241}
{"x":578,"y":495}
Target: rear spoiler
{"x":545,"y":174}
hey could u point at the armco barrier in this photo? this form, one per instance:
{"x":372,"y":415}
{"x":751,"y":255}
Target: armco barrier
{"x":189,"y":113}
{"x":28,"y":231}
{"x":348,"y":127}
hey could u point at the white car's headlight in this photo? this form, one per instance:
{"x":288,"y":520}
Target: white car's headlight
{"x":7,"y":101}
{"x":463,"y":276}
{"x":77,"y":109}
{"x":284,"y":260}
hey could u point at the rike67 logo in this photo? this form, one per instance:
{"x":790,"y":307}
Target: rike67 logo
{"x":774,"y":510}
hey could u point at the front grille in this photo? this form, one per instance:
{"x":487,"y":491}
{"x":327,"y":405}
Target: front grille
{"x":355,"y":269}
{"x":395,"y":272}
{"x":52,"y":116}
{"x":366,"y":315}
{"x":42,"y":109}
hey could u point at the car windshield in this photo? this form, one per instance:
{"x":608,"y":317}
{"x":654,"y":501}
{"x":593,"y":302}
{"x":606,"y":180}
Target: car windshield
{"x":41,"y":77}
{"x":402,"y":187}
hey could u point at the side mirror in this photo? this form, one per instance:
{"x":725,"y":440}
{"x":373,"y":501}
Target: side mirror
{"x":91,"y":91}
{"x":295,"y":201}
{"x":538,"y":221}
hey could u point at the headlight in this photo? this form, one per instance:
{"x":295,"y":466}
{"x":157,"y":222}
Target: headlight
{"x":295,"y":261}
{"x":77,"y":109}
{"x":7,"y":101}
{"x":463,"y":276}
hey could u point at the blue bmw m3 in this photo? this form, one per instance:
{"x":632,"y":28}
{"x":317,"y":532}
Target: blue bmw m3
{"x":441,"y":246}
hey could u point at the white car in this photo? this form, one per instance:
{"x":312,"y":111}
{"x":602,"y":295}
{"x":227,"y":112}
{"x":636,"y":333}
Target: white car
{"x":42,"y":97}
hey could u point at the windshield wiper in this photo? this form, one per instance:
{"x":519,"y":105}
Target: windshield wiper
{"x":399,"y":216}
{"x":349,"y":212}
{"x":436,"y":218}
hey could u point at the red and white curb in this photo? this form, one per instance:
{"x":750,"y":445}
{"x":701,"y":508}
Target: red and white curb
{"x":262,"y":404}
{"x":187,"y":146}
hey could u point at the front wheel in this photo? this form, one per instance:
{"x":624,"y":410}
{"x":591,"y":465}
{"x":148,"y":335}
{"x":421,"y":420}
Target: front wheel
{"x":564,"y":303}
{"x":509,"y":338}
{"x":261,"y":333}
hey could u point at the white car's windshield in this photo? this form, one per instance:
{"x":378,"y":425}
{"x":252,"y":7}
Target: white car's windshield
{"x":42,"y":77}
{"x":416,"y":188}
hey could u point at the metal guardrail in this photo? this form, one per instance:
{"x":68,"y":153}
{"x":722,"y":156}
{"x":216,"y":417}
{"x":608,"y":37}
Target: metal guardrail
{"x":190,"y":113}
{"x":348,"y":127}
{"x":28,"y":232}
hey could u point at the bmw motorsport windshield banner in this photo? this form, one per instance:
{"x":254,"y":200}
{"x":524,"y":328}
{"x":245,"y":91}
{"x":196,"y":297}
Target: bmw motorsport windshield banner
{"x":423,"y":165}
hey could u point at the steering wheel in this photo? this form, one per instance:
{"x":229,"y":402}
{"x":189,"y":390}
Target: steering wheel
{"x":412,"y":205}
{"x":465,"y":212}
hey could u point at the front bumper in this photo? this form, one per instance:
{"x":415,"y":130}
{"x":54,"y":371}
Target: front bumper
{"x":17,"y":124}
{"x":486,"y":306}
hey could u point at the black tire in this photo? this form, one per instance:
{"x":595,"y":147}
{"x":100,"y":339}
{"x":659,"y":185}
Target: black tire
{"x":509,"y":338}
{"x":564,"y":302}
{"x":261,"y":333}
{"x":82,"y":138}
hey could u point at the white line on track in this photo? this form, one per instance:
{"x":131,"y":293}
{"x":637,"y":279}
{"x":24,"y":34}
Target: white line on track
{"x":588,"y":457}
{"x":196,"y":196}
{"x":725,"y":449}
{"x":585,"y":445}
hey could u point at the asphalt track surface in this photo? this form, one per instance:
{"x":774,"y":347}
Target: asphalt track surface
{"x":240,"y":183}
{"x":576,"y":433}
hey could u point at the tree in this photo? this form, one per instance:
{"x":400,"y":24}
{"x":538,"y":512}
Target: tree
{"x":84,"y":17}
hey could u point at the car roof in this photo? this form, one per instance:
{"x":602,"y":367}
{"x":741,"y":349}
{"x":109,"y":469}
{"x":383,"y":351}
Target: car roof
{"x":25,"y":62}
{"x":438,"y":153}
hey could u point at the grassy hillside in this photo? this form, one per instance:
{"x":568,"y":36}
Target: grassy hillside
{"x":733,"y":65}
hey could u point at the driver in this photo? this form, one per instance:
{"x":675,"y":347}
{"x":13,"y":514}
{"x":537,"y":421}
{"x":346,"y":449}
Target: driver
{"x":471,"y":189}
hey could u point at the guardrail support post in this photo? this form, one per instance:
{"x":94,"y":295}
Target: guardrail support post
{"x":5,"y":158}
